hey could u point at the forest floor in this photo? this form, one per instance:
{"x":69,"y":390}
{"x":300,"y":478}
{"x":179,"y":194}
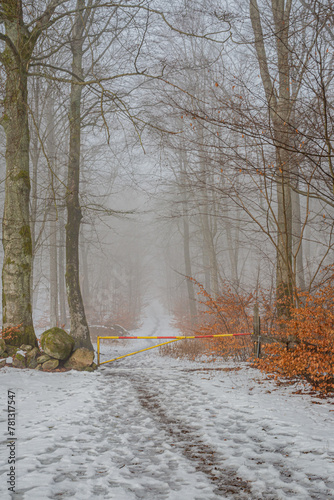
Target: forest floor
{"x":155,"y":428}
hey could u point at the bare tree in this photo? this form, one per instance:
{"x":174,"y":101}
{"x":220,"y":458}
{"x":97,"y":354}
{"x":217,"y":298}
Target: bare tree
{"x":19,"y":40}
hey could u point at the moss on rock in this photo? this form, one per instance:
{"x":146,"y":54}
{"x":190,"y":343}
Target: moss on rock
{"x":31,"y":358}
{"x":42,"y":359}
{"x":2,"y":347}
{"x":11,"y":349}
{"x":57,"y":343}
{"x":19,"y":361}
{"x":52,"y":364}
{"x":25,"y":347}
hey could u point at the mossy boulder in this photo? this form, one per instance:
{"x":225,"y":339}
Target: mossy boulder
{"x":12,"y":350}
{"x":52,"y":364}
{"x":2,"y":363}
{"x":2,"y":347}
{"x":32,"y":355}
{"x":57,"y":343}
{"x":31,"y":358}
{"x":25,"y":347}
{"x":80,"y":359}
{"x":32,"y":364}
{"x":42,"y":359}
{"x":19,"y":361}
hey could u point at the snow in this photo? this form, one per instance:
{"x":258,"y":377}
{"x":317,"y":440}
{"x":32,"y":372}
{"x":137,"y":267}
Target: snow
{"x":154,"y":428}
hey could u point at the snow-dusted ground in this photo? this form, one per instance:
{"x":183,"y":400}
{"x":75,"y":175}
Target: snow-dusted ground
{"x":154,"y":428}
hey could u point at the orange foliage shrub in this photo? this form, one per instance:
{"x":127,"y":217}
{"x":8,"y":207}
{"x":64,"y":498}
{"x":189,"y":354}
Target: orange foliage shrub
{"x":303,"y":346}
{"x":10,"y":334}
{"x":227,"y":314}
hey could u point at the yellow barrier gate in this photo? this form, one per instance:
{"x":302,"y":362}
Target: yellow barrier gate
{"x":175,"y":339}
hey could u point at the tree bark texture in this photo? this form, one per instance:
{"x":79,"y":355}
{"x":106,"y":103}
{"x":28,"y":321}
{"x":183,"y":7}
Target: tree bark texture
{"x":34,"y":153}
{"x":79,"y":326}
{"x":16,"y":234}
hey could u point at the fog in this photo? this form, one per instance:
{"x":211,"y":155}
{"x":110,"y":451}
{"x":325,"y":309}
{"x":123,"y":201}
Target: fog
{"x":183,"y":164}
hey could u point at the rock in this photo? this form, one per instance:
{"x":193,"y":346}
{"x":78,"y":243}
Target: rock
{"x":25,"y":347}
{"x":52,"y":364}
{"x":57,"y":343}
{"x":94,"y":366}
{"x":38,"y":367}
{"x":11,"y":349}
{"x":43,"y":358}
{"x":80,"y":359}
{"x":32,"y":364}
{"x":88,"y":369}
{"x":19,"y":361}
{"x":2,"y":347}
{"x":2,"y":363}
{"x":31,"y":357}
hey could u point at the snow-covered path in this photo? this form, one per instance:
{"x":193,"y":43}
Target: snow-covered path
{"x":153,"y":428}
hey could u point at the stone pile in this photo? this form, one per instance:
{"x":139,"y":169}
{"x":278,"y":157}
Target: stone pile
{"x":57,"y":352}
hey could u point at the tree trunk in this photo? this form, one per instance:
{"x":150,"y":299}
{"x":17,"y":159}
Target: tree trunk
{"x":61,"y":274}
{"x":279,"y":110}
{"x":34,"y":150}
{"x":284,"y":281}
{"x":53,"y":214}
{"x":284,"y":275}
{"x":297,"y":242}
{"x":186,"y":235}
{"x":85,"y":277}
{"x":79,"y":326}
{"x":16,"y":271}
{"x":233,"y":244}
{"x":297,"y":232}
{"x":208,"y":236}
{"x":187,"y":265}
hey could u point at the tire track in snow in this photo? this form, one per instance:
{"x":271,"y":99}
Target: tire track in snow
{"x":187,"y":441}
{"x":204,"y":457}
{"x":240,"y":458}
{"x":226,"y":483}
